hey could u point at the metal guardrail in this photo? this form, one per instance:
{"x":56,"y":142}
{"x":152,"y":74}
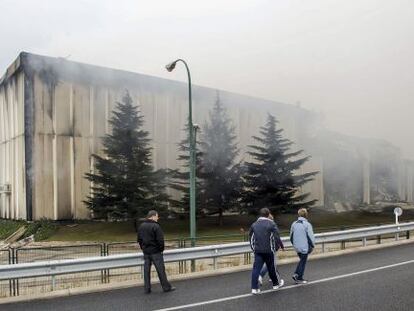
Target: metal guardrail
{"x":58,"y":267}
{"x":114,"y":248}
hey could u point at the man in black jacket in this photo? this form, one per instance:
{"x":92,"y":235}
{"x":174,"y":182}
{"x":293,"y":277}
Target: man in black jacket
{"x":151,"y":241}
{"x":263,"y":236}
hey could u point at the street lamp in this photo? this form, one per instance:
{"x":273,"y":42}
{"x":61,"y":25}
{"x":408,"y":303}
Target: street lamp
{"x":191,"y":128}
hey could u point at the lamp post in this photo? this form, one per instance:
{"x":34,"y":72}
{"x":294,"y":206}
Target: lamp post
{"x":170,"y":67}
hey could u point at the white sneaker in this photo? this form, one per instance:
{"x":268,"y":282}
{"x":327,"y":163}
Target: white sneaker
{"x":260,"y":280}
{"x":281,"y":283}
{"x":255,"y":291}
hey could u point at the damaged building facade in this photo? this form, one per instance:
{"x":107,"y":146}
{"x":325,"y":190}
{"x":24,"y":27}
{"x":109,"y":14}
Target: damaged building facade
{"x":54,"y":113}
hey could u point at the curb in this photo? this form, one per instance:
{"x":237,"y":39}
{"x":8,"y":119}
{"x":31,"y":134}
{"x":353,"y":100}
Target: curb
{"x":196,"y":275}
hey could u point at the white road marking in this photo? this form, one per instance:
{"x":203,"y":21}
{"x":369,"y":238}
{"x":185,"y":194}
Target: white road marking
{"x":208,"y":302}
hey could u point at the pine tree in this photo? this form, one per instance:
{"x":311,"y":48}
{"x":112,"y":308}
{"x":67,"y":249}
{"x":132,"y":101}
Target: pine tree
{"x":125,"y":183}
{"x":270,"y":180}
{"x":222,"y":182}
{"x":180,"y":178}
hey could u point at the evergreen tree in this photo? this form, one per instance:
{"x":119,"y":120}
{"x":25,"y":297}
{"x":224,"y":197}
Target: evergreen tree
{"x":270,"y":180}
{"x":222,"y":182}
{"x":180,"y":178}
{"x":125,"y":183}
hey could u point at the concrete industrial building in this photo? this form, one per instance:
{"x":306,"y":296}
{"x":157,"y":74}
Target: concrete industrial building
{"x":54,"y":112}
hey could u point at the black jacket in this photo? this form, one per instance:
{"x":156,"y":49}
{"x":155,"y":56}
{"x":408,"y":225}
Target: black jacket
{"x":151,"y":237}
{"x":264,"y":236}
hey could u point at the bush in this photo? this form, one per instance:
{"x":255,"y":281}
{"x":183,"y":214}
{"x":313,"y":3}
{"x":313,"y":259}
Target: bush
{"x":46,"y":230}
{"x":31,"y":229}
{"x":41,"y":230}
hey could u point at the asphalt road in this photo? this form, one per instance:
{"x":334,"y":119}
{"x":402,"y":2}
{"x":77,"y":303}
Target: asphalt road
{"x":381,"y":279}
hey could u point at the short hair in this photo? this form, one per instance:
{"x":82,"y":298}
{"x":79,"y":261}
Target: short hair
{"x":152,"y":213}
{"x":264,"y":212}
{"x":303,"y":212}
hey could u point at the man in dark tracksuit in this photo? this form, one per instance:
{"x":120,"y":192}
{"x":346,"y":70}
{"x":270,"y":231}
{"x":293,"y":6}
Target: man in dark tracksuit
{"x":263,"y":234}
{"x":151,"y":241}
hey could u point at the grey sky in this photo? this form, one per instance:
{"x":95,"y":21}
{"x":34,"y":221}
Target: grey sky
{"x":351,"y":60}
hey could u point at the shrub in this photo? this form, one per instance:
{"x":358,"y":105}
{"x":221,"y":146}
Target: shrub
{"x":42,"y":229}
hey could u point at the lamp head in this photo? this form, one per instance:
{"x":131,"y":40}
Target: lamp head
{"x":170,"y":67}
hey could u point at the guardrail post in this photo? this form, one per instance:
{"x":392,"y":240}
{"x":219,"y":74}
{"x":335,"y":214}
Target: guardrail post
{"x":323,"y":247}
{"x":378,"y":239}
{"x":14,"y":283}
{"x":53,"y":282}
{"x":408,"y":235}
{"x":181,"y":244}
{"x":343,"y":242}
{"x":193,"y":262}
{"x":215,"y":263}
{"x":10,"y":281}
{"x":142,"y":271}
{"x":364,"y":242}
{"x":103,"y":272}
{"x":397,"y":236}
{"x":245,"y":255}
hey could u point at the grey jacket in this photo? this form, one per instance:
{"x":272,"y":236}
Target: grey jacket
{"x":299,"y":231}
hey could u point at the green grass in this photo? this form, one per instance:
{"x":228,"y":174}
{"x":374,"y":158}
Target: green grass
{"x":95,"y":231}
{"x":41,"y":230}
{"x":177,"y":228}
{"x":8,"y":227}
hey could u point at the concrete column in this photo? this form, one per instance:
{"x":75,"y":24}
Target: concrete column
{"x":366,"y":182}
{"x":72,"y":153}
{"x":410,"y":183}
{"x":321,"y":187}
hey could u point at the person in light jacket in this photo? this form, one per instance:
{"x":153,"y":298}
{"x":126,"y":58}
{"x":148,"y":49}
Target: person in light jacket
{"x":303,"y":241}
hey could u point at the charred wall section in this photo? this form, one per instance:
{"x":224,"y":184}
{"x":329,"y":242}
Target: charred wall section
{"x":12,"y":147}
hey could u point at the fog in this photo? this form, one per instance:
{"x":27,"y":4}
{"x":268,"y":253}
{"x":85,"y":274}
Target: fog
{"x":351,"y":61}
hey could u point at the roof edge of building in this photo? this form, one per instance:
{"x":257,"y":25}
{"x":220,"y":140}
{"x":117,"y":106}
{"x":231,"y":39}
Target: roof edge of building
{"x":83,"y":72}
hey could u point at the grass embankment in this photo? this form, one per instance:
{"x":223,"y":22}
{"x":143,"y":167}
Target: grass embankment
{"x":41,"y":230}
{"x":8,"y":227}
{"x":176,"y":228}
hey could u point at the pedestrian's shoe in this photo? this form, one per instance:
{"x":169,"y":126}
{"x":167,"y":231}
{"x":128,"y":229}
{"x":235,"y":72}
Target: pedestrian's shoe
{"x":302,"y":282}
{"x":295,"y":278}
{"x":171,"y":289}
{"x":260,"y":280}
{"x":147,"y":291}
{"x":255,"y":291}
{"x":281,"y":283}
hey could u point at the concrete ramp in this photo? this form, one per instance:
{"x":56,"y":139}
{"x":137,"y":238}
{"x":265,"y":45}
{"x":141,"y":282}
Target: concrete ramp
{"x":16,"y":235}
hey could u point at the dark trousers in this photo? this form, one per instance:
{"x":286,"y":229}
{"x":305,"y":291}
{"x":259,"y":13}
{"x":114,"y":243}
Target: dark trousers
{"x":300,"y":268}
{"x":158,"y":261}
{"x":264,"y":270}
{"x":259,"y":260}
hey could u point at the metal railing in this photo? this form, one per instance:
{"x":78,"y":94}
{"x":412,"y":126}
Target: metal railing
{"x":5,"y":256}
{"x":34,"y":254}
{"x":58,"y":267}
